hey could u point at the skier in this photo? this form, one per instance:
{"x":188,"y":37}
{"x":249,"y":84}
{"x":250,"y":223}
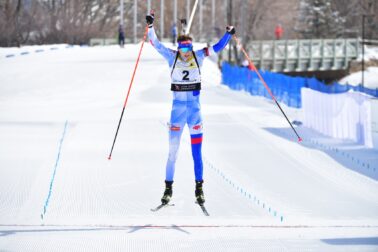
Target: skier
{"x":185,"y":65}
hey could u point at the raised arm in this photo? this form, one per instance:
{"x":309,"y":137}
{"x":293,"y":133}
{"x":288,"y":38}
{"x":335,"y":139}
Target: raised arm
{"x":230,"y":30}
{"x":207,"y":51}
{"x":167,"y":53}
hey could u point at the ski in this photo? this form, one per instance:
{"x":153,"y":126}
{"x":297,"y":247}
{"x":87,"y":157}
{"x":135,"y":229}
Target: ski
{"x":160,"y":207}
{"x":203,"y":208}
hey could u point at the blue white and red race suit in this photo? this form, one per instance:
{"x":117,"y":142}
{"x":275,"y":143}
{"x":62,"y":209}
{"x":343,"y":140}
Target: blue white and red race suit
{"x":186,"y":107}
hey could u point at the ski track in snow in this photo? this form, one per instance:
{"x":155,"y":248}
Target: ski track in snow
{"x":263,"y":190}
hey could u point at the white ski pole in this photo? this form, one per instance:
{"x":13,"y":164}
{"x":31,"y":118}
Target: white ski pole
{"x":191,"y":17}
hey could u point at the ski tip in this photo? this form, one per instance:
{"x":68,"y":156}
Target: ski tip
{"x":300,"y":139}
{"x":109,"y":158}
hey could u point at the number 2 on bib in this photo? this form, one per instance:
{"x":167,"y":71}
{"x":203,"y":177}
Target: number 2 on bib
{"x":185,"y":75}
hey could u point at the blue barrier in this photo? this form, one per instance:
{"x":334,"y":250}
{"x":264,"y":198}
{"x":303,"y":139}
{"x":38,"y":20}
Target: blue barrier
{"x":285,"y":88}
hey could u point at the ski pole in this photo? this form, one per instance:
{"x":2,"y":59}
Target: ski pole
{"x":191,"y":17}
{"x":128,"y":92}
{"x":266,"y":86}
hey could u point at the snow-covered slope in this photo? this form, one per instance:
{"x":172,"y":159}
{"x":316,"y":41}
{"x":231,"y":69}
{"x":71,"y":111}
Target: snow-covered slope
{"x":263,"y":189}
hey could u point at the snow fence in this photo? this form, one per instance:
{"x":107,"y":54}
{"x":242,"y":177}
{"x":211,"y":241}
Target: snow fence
{"x":285,"y":88}
{"x":339,"y":111}
{"x":350,"y":115}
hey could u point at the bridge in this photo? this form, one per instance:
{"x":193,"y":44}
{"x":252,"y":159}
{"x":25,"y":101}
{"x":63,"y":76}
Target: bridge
{"x":310,"y":55}
{"x":327,"y":59}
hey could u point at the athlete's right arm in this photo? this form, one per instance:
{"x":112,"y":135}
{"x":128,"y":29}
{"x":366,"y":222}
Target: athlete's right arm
{"x":167,"y":53}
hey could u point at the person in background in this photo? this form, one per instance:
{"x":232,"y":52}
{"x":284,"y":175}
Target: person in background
{"x":174,"y":34}
{"x":278,"y":32}
{"x":121,"y":36}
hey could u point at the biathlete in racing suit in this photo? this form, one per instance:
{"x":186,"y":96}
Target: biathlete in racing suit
{"x":185,"y":65}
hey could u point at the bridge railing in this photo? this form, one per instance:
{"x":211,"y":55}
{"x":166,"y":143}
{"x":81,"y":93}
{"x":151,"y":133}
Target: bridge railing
{"x":303,"y":55}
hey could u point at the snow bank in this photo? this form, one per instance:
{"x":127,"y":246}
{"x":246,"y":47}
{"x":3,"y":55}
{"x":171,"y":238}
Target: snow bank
{"x":9,"y":52}
{"x":371,"y":78}
{"x":371,"y":73}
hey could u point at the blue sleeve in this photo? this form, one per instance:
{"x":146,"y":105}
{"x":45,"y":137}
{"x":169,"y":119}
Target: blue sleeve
{"x":167,"y":53}
{"x":222,"y":42}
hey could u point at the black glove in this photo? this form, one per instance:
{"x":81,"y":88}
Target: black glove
{"x":230,"y":29}
{"x":150,"y":19}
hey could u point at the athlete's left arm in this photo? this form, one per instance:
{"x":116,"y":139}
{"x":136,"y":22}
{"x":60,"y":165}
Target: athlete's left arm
{"x":222,"y":42}
{"x":207,"y":51}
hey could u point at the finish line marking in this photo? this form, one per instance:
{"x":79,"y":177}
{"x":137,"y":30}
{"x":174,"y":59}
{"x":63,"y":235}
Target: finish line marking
{"x":188,"y":226}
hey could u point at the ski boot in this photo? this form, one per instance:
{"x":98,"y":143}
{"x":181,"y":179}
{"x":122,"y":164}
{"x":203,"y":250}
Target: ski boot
{"x":199,"y":193}
{"x":167,"y":193}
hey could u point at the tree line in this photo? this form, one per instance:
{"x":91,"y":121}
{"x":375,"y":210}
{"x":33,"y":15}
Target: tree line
{"x":55,"y":21}
{"x":76,"y":21}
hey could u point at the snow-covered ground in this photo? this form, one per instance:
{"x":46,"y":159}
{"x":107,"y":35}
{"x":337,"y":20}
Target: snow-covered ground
{"x":264,"y":190}
{"x":370,"y":74}
{"x":370,"y":78}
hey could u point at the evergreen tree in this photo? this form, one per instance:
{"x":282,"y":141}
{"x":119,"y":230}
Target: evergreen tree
{"x":317,"y":19}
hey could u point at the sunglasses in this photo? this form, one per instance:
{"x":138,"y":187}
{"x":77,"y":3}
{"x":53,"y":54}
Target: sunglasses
{"x":185,"y":49}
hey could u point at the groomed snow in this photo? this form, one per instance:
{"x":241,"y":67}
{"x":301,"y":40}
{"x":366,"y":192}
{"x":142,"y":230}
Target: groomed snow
{"x":264,"y":190}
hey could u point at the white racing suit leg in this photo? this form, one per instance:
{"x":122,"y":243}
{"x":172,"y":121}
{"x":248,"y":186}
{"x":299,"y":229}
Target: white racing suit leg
{"x":196,"y":135}
{"x":185,"y":112}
